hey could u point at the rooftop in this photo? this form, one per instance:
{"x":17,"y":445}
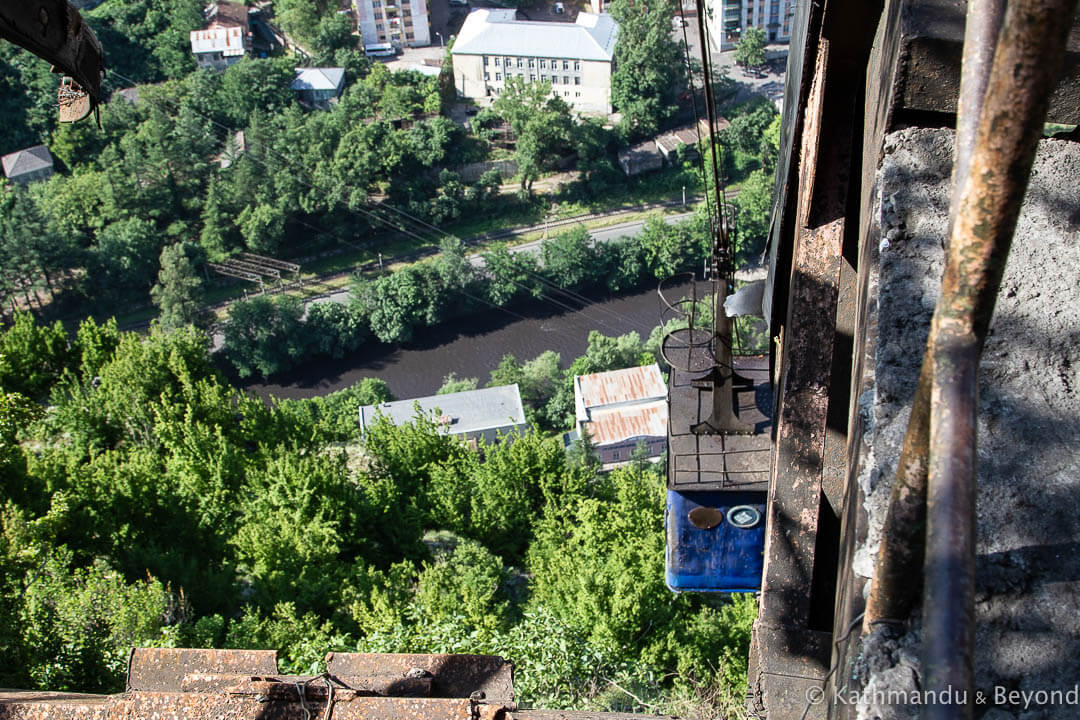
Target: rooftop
{"x":618,"y":387}
{"x":499,"y":32}
{"x":27,"y":160}
{"x":330,"y":78}
{"x":470,"y":411}
{"x":621,"y":424}
{"x":228,"y":13}
{"x":226,"y":40}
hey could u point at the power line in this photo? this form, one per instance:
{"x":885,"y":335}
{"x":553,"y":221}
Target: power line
{"x":418,"y":222}
{"x":546,"y":298}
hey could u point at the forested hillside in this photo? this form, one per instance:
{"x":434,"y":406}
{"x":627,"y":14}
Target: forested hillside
{"x":148,"y":502}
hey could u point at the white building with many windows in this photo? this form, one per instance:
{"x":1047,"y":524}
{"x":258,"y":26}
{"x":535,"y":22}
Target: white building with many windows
{"x":401,"y":23}
{"x":772,"y":16}
{"x":576,"y":58}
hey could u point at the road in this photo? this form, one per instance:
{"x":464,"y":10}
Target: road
{"x":600,"y":235}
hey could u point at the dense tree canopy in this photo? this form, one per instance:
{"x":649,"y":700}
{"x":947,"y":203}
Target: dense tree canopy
{"x":650,"y":68}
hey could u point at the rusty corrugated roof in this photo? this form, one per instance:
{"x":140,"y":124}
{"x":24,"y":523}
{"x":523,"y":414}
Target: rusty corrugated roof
{"x":621,"y":386}
{"x":626,"y":423}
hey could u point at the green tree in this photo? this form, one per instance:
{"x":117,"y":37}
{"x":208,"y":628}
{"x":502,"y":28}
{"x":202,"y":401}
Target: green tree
{"x":178,"y":292}
{"x":335,"y":329}
{"x":750,"y":50}
{"x":754,"y":203}
{"x":256,"y":83}
{"x":568,"y":259}
{"x":669,"y":248}
{"x":32,"y":356}
{"x":453,"y":384}
{"x":650,"y":70}
{"x":263,"y":335}
{"x":511,"y":275}
{"x":540,"y":121}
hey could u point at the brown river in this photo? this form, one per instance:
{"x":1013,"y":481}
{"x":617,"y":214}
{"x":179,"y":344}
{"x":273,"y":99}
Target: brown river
{"x":473,"y":346}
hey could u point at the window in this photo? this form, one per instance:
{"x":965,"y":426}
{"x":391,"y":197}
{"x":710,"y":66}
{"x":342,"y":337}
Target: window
{"x":566,"y":93}
{"x":577,"y":81}
{"x":577,"y":94}
{"x":543,"y":64}
{"x":577,"y":65}
{"x":496,"y":62}
{"x":521,"y":61}
{"x":376,"y":3}
{"x":566,"y":80}
{"x":508,"y":61}
{"x":532,"y":77}
{"x":532,"y":62}
{"x":379,"y":27}
{"x":485,"y":61}
{"x":565,"y":64}
{"x":408,"y":36}
{"x":554,"y":79}
{"x":498,"y":76}
{"x":487,"y":76}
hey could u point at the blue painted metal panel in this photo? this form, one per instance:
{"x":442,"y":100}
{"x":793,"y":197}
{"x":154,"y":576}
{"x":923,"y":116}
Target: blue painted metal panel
{"x":724,"y":558}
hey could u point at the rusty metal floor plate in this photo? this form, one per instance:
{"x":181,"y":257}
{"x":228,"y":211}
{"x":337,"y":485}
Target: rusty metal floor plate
{"x":720,"y":462}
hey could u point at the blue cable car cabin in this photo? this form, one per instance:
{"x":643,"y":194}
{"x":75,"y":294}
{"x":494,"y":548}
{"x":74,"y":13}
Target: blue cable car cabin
{"x":717,"y":483}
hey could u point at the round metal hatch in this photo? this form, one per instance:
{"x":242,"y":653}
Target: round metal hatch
{"x":743,"y":516}
{"x":706,"y":518}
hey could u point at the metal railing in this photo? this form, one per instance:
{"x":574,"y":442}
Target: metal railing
{"x":1012,"y":60}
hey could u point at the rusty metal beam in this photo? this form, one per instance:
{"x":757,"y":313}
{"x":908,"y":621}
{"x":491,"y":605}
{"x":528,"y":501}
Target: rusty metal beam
{"x":482,"y":677}
{"x":901,"y":553}
{"x":1025,"y":69}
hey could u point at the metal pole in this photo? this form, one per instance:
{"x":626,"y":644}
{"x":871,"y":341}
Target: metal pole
{"x":1026,"y":67}
{"x":896,"y":583}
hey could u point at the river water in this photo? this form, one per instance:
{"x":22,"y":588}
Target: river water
{"x":473,"y":346}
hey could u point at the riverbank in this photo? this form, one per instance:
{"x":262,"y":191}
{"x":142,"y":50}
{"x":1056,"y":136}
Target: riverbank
{"x":473,"y":346}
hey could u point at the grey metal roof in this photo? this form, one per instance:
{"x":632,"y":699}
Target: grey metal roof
{"x":331,"y":78}
{"x":27,"y":160}
{"x":497,"y":32}
{"x":471,"y":411}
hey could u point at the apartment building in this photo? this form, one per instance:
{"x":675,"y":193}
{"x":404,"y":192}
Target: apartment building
{"x":772,"y":16}
{"x":576,"y":58}
{"x":401,"y":23}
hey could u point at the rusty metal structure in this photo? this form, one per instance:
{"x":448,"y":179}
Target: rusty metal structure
{"x":55,"y":31}
{"x":198,"y":684}
{"x":858,"y":71}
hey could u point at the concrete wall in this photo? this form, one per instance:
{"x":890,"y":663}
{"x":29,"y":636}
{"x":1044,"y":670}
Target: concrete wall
{"x":1028,"y":564}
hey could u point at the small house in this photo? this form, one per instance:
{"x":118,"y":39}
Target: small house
{"x":317,"y":86}
{"x":620,"y":409}
{"x":28,"y":164}
{"x":689,"y":135}
{"x":227,"y":37}
{"x":473,"y":414}
{"x":640,"y":158}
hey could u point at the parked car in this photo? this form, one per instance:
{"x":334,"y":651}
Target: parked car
{"x":559,"y":10}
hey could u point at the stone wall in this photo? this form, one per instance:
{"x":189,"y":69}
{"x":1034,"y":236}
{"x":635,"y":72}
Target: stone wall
{"x":1028,"y":553}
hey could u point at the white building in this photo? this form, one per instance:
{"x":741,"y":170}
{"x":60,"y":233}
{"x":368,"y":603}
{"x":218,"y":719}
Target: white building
{"x":485,"y":413}
{"x":227,"y":37}
{"x":620,"y":409}
{"x":772,"y":16}
{"x":319,"y":85}
{"x":29,"y":164}
{"x":401,"y":23}
{"x":576,"y":58}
